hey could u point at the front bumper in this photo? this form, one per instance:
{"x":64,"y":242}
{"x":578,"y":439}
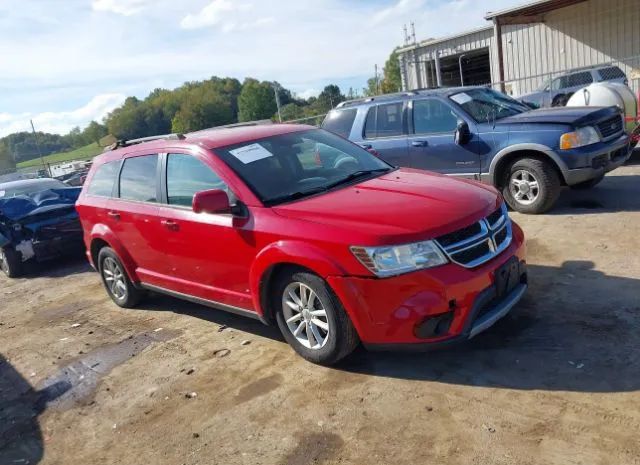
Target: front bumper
{"x":388,"y":313}
{"x":599,"y":162}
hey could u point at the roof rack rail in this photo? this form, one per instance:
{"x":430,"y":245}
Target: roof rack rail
{"x":126,"y":143}
{"x":234,"y":125}
{"x":381,"y":98}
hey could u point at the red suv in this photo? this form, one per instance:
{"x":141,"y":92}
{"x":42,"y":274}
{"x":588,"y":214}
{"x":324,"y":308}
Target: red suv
{"x":250,"y":220}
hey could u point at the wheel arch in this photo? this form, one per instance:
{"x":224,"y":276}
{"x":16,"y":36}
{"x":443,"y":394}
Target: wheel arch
{"x":101,"y":236}
{"x":504,"y":158}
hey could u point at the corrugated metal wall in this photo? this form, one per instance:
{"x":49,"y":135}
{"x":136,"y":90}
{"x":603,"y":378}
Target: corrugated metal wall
{"x":585,"y":34}
{"x":590,"y":33}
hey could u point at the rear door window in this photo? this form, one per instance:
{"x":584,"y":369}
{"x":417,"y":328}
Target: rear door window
{"x":384,"y":121}
{"x":187,"y":175}
{"x":138,"y":179}
{"x":432,"y":116}
{"x":340,"y":122}
{"x":580,"y":79}
{"x":103,"y":180}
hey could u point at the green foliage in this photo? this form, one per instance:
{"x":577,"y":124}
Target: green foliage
{"x":82,"y":153}
{"x":256,"y":101}
{"x":7,"y":162}
{"x":391,"y":82}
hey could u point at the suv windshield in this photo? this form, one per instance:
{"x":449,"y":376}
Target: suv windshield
{"x":485,"y":105}
{"x":299,"y":164}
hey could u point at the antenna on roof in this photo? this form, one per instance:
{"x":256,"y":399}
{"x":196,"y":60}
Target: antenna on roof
{"x":413,"y":32}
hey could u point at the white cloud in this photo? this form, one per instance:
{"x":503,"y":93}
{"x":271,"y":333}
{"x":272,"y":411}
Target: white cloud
{"x":121,"y":7}
{"x":305,"y":94}
{"x":213,"y":14}
{"x":61,"y":122}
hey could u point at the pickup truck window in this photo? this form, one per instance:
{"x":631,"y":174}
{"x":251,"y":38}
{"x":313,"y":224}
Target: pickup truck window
{"x":384,"y":121}
{"x":431,"y":116}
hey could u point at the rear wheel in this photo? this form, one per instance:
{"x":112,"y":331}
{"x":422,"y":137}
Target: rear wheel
{"x":115,"y":280}
{"x":312,"y":319}
{"x":531,"y":186}
{"x":588,"y":184}
{"x":10,"y":262}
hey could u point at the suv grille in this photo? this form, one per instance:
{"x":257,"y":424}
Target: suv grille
{"x":480,"y":242}
{"x":610,"y":127}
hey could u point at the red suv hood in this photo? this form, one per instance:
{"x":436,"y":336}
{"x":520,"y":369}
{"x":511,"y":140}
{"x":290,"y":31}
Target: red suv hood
{"x":402,"y":205}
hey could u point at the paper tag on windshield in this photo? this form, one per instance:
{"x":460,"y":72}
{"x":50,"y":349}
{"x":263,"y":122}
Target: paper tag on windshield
{"x":2,"y":193}
{"x":251,"y":153}
{"x":461,"y":98}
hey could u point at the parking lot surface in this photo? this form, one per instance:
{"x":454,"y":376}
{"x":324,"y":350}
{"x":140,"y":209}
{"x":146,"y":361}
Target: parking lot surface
{"x":556,"y":381}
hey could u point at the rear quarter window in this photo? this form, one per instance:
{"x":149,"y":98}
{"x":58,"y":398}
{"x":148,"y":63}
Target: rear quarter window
{"x":340,"y":122}
{"x":102,"y":182}
{"x":613,"y":72}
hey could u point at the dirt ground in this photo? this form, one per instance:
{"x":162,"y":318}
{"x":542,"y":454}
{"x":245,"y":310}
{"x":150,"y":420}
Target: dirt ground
{"x":557,"y":381}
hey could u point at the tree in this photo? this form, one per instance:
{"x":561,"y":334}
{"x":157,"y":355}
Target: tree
{"x":7,"y":163}
{"x":291,"y":111}
{"x":94,"y":132}
{"x":256,"y":101}
{"x":202,"y":110}
{"x":391,"y":82}
{"x":371,"y":89}
{"x":329,"y":97}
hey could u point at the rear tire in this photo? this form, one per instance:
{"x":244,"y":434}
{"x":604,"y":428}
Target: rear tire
{"x":10,"y":263}
{"x":587,"y":184}
{"x":531,"y":186}
{"x":115,"y":280}
{"x":303,"y":302}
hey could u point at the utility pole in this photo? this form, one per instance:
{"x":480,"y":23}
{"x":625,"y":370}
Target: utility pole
{"x":460,"y":66}
{"x":275,"y":89}
{"x":35,"y":137}
{"x":413,"y":32}
{"x":406,"y":35}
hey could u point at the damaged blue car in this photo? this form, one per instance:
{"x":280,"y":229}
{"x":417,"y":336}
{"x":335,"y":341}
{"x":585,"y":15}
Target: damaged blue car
{"x":38,"y":222}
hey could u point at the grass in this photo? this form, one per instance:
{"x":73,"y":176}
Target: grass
{"x":82,"y":153}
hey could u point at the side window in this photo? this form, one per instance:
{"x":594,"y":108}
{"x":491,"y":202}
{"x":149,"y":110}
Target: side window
{"x":556,"y":84}
{"x":138,"y":178}
{"x":433,"y":117}
{"x":580,"y":79}
{"x":384,"y":121}
{"x":607,"y":74}
{"x":103,"y":180}
{"x":340,"y":121}
{"x":187,"y":175}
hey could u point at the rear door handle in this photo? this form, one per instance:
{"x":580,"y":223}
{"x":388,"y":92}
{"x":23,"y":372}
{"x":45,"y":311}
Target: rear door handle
{"x":169,"y":224}
{"x":114,"y":215}
{"x":366,"y":146}
{"x":419,"y":143}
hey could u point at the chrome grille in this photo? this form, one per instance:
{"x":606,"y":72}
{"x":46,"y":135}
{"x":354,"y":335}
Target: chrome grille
{"x":478,"y":243}
{"x":610,"y":127}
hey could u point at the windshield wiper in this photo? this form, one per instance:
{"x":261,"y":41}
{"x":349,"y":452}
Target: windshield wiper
{"x":356,"y":175}
{"x":295,"y":195}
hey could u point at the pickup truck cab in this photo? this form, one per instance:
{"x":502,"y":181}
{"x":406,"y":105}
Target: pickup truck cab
{"x":478,"y":133}
{"x":244,"y":219}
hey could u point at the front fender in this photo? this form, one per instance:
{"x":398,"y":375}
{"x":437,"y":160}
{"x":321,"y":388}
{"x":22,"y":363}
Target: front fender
{"x":528,"y":147}
{"x":103,"y":232}
{"x":294,"y":253}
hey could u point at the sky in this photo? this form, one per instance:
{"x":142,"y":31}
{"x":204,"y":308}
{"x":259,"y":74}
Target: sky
{"x":64,"y":63}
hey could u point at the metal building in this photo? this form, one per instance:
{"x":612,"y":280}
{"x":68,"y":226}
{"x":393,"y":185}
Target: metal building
{"x":528,"y":45}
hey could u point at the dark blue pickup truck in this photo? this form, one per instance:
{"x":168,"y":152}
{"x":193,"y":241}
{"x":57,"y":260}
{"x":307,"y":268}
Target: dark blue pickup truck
{"x":478,"y":133}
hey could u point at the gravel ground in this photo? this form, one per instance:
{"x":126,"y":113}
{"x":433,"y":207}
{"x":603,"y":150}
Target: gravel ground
{"x":557,"y":381}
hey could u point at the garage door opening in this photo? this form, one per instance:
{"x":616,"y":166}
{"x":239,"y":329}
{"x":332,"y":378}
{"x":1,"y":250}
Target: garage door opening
{"x":475,"y":67}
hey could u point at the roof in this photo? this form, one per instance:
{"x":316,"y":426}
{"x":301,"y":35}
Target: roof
{"x":400,"y":96}
{"x":428,"y":42}
{"x":208,"y":138}
{"x":532,"y":8}
{"x":26,"y":182}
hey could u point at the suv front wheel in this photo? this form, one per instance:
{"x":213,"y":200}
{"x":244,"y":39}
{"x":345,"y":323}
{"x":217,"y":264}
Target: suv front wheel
{"x":531,"y":186}
{"x":312,"y":319}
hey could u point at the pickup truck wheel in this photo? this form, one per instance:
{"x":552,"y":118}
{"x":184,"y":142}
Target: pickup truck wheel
{"x":115,"y":280}
{"x":10,"y":263}
{"x":312,"y":319}
{"x":587,"y":184}
{"x":531,"y":186}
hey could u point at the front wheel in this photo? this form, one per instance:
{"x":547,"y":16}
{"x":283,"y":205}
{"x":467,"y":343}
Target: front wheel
{"x":312,"y":319}
{"x":10,"y":262}
{"x":531,"y":186}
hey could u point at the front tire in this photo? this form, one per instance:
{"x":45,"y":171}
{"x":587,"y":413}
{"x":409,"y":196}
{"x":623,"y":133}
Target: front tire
{"x":312,"y":319}
{"x":10,"y":263}
{"x":531,"y":186}
{"x":115,"y":280}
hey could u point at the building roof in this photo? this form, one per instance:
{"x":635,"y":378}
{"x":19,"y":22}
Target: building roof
{"x":428,"y":42}
{"x":532,"y":8}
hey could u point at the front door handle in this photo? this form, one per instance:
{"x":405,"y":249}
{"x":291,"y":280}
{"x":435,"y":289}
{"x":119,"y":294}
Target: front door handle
{"x":170,"y":224}
{"x":113,"y":214}
{"x":419,"y":143}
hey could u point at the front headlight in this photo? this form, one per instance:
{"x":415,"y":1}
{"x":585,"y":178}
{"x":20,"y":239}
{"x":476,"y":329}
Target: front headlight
{"x":398,"y":259}
{"x":579,"y":138}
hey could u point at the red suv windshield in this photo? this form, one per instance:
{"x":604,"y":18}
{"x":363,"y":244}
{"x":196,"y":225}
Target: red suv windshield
{"x":292,"y":166}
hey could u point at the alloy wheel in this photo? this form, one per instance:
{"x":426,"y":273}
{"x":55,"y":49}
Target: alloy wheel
{"x":524,"y":187}
{"x":305,"y":315}
{"x":114,"y":278}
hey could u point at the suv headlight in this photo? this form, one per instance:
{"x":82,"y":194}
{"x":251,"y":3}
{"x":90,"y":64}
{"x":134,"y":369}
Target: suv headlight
{"x":579,"y":138}
{"x":393,"y":260}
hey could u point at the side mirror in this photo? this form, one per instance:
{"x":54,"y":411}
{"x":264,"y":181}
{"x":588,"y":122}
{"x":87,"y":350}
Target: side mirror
{"x":463,"y":133}
{"x":211,"y":201}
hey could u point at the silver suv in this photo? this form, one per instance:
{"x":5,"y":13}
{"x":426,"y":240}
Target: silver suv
{"x":557,"y":92}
